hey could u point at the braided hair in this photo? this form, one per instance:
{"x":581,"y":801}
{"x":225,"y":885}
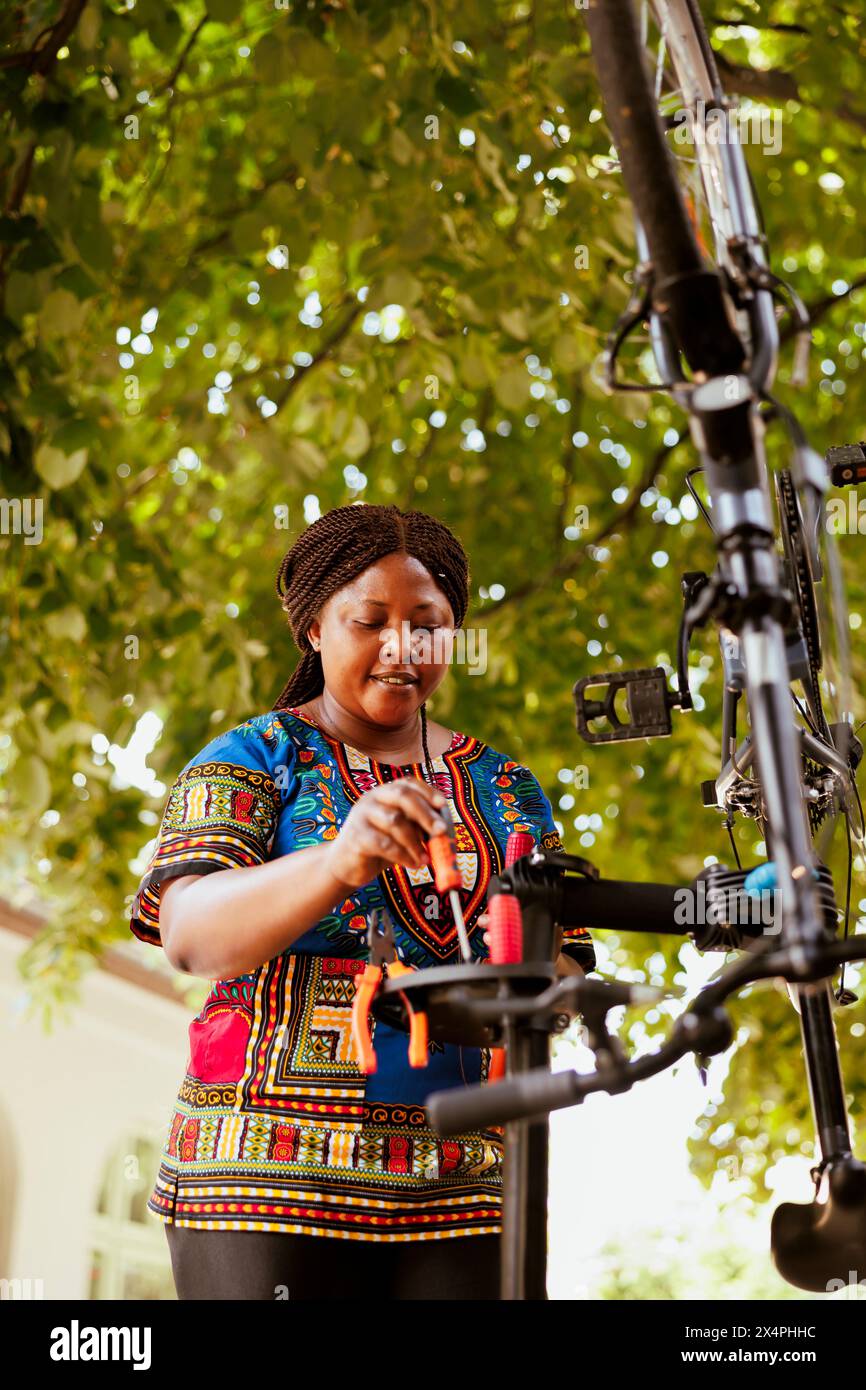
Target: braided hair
{"x":338,"y":547}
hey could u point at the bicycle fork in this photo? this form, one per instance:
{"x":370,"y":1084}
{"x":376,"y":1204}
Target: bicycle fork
{"x":790,"y":847}
{"x":755,"y":606}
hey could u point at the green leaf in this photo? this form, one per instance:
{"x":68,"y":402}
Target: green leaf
{"x":398,"y":287}
{"x":474,"y":371}
{"x":269,"y":60}
{"x":29,"y":784}
{"x":188,"y":621}
{"x":61,"y":314}
{"x":165,"y":29}
{"x":512,"y":388}
{"x":77,"y":281}
{"x":73,"y":435}
{"x":357,"y":441}
{"x":305,"y":457}
{"x":460,"y":97}
{"x":68,"y":624}
{"x":48,"y":399}
{"x":41,"y":251}
{"x":57,"y":468}
{"x":223,"y":11}
{"x":248,"y":231}
{"x":22,"y":295}
{"x":514,"y":322}
{"x":87,"y":32}
{"x":15,"y":229}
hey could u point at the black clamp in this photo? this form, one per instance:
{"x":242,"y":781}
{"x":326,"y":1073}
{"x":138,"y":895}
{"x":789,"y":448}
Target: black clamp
{"x":719,"y":598}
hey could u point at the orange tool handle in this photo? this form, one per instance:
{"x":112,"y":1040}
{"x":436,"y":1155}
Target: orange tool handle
{"x":445,"y":871}
{"x":361,"y":1036}
{"x":496,"y":1070}
{"x":418,"y":1033}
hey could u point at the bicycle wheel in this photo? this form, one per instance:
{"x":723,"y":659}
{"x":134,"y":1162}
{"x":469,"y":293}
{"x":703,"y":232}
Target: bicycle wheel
{"x":723,"y":209}
{"x":697,"y":117}
{"x":696,"y":209}
{"x":643,"y":77}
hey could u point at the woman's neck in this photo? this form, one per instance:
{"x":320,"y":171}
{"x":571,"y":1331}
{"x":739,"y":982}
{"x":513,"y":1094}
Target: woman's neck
{"x":399,"y":744}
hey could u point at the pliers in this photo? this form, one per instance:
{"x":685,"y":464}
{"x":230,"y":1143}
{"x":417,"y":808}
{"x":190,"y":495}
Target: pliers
{"x":380,"y":938}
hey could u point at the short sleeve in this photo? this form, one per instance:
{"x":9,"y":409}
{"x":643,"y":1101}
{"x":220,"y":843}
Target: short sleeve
{"x":538,"y":812}
{"x":221,"y":813}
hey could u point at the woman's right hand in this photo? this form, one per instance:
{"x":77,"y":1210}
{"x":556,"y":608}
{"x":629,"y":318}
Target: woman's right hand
{"x":388,"y":824}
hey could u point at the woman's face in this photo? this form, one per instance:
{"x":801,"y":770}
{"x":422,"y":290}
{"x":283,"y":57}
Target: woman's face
{"x":362,"y":638}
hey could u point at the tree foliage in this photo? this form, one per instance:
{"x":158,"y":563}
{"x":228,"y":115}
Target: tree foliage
{"x":261,"y":260}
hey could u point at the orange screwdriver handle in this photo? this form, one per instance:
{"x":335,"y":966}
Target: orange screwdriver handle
{"x":445,"y":871}
{"x":418,"y":1031}
{"x":361,"y":1036}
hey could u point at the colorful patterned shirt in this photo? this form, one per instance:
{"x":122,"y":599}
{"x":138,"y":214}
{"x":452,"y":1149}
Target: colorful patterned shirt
{"x":275,"y":1127}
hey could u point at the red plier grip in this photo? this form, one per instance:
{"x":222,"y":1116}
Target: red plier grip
{"x":496,"y":1071}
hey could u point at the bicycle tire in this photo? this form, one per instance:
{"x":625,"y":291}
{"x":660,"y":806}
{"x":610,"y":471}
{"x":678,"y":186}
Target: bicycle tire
{"x":685,"y":290}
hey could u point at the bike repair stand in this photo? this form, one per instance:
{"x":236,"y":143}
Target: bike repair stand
{"x":487,"y":1005}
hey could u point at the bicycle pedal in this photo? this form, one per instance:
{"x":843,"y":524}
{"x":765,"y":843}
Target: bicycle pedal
{"x":647,"y":699}
{"x":847,"y":464}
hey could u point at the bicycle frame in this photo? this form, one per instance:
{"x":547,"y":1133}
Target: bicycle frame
{"x":737,"y":482}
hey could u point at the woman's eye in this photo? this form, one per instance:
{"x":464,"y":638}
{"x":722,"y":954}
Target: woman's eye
{"x":373,"y":627}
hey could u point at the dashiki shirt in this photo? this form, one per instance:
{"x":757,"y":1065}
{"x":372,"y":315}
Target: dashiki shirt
{"x":275,"y":1128}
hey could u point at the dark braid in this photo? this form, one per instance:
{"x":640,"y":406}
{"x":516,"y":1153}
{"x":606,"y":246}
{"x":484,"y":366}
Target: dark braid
{"x":337,"y":548}
{"x":430,"y":773}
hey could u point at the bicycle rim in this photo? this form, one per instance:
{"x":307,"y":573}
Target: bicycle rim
{"x":835,"y":684}
{"x":695,"y":112}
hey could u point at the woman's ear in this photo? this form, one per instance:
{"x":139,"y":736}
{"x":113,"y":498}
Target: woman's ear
{"x":314,"y":633}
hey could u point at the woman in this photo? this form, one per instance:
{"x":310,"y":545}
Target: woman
{"x":287,"y":1172}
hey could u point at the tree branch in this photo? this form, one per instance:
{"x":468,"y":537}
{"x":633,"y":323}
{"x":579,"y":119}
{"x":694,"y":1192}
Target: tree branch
{"x":323,"y":351}
{"x":819,"y":307}
{"x":45,"y":57}
{"x":752,"y":23}
{"x":41,"y":61}
{"x":175,"y":72}
{"x":777,"y":86}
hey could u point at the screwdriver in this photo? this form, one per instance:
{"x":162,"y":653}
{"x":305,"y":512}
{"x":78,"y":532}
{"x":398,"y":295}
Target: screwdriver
{"x":443,"y":857}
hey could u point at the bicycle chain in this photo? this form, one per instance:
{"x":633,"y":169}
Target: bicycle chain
{"x":803,"y":579}
{"x":808,"y":621}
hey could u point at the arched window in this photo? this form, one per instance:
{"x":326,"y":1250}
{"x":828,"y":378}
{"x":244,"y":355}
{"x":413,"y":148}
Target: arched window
{"x":129,"y":1254}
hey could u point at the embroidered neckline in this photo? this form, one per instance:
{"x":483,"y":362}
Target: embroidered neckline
{"x":457,"y":741}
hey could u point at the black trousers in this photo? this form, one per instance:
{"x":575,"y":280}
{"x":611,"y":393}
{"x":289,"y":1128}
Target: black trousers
{"x":277,"y":1265}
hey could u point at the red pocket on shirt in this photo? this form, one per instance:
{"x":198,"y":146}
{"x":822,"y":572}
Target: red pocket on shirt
{"x":218,"y":1045}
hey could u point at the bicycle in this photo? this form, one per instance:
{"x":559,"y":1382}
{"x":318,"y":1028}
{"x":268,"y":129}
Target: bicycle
{"x":704,"y":288}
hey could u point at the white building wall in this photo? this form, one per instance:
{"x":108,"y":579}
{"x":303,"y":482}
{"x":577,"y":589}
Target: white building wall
{"x":66,"y":1099}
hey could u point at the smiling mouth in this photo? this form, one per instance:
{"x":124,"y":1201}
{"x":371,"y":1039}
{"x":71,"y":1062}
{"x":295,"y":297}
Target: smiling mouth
{"x":397,"y":681}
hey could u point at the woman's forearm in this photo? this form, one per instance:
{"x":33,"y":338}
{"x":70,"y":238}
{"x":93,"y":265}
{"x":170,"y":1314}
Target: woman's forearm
{"x":224,"y":924}
{"x":229,"y":922}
